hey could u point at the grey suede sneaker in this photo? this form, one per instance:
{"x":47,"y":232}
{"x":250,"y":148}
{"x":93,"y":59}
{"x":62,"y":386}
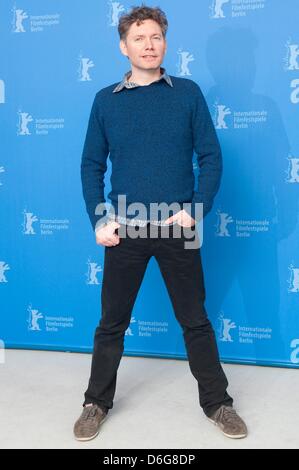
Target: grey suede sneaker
{"x":88,"y":425}
{"x":229,"y":422}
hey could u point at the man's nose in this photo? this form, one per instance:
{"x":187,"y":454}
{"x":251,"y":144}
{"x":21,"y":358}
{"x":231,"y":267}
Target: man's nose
{"x":148,"y":44}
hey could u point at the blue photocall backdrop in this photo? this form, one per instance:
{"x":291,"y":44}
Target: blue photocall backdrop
{"x":245,"y":56}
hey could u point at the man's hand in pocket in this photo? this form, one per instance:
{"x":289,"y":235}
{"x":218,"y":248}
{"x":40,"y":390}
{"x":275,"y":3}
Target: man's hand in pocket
{"x":182,"y":218}
{"x":106,"y":235}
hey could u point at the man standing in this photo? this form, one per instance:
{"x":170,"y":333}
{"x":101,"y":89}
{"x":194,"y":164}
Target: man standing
{"x":150,"y":123}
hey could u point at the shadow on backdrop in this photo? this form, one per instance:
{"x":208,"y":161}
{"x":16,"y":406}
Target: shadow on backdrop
{"x":253,"y":187}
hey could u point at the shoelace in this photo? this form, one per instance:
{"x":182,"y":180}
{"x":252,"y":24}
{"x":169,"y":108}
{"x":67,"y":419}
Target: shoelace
{"x":229,"y":414}
{"x":89,"y":412}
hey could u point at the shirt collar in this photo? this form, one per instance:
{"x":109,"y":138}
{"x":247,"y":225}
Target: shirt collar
{"x":125,"y":83}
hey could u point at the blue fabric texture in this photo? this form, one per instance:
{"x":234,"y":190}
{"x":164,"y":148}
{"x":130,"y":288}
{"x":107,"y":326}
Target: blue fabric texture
{"x":150,"y":133}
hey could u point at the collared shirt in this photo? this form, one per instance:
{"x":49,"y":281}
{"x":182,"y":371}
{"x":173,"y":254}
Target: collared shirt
{"x":126,"y":83}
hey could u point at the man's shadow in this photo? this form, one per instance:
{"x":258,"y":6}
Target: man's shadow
{"x":253,"y":187}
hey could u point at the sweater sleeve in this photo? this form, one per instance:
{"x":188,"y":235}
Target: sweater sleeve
{"x":94,"y":165}
{"x":209,"y":157}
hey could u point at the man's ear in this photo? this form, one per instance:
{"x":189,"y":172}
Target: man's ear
{"x":122,"y":47}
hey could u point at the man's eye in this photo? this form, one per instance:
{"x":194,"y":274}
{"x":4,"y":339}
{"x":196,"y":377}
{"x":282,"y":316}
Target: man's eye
{"x":157,"y":37}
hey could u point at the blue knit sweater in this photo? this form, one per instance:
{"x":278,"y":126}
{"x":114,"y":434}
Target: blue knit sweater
{"x":150,"y":133}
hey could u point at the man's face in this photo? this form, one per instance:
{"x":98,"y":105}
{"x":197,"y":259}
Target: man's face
{"x":145,"y":45}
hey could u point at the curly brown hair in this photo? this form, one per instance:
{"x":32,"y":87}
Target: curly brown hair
{"x":139,"y":14}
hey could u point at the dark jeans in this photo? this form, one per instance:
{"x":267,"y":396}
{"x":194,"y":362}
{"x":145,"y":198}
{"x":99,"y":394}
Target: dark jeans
{"x":124,"y":268}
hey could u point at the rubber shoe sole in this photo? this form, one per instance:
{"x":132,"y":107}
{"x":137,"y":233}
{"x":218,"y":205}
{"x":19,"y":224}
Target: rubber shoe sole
{"x":94,"y":435}
{"x":232,"y":436}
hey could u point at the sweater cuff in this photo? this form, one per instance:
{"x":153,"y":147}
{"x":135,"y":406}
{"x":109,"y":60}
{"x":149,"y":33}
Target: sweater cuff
{"x":102,"y":222}
{"x":97,"y":216}
{"x":104,"y":219}
{"x":195,"y":209}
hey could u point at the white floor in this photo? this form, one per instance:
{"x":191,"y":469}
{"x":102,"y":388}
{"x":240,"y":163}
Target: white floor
{"x":156,"y":404}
